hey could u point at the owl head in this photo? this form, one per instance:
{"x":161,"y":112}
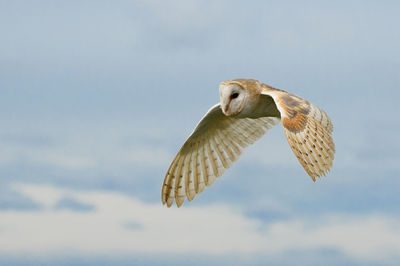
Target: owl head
{"x":237,"y":96}
{"x":232,"y":97}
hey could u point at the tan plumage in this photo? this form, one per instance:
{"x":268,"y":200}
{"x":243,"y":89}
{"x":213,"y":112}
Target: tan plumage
{"x":247,"y":109}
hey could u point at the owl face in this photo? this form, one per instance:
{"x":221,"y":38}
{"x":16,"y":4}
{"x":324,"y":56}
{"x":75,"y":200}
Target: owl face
{"x":232,"y":98}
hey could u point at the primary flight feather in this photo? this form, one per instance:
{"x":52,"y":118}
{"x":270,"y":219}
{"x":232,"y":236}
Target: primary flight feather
{"x":247,"y":109}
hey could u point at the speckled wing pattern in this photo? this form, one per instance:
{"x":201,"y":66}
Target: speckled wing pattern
{"x":216,"y":142}
{"x":308,"y":130}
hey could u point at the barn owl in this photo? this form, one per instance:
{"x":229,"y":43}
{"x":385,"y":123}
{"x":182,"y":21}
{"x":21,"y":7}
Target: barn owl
{"x":247,"y":109}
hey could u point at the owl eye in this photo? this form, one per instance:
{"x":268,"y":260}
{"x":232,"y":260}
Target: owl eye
{"x":234,"y":95}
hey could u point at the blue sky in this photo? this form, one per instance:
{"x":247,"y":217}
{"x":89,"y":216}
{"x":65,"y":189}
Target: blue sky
{"x":96,"y":97}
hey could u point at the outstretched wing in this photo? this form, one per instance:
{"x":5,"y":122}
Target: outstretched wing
{"x":308,"y":130}
{"x":214,"y":145}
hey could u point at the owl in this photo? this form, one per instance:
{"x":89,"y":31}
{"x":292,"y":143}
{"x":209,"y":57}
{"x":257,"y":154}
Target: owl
{"x":247,"y":109}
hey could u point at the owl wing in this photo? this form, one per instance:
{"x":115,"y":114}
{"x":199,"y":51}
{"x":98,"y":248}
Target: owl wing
{"x":308,"y":130}
{"x":216,"y":142}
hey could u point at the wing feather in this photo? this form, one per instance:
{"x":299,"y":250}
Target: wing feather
{"x":189,"y":177}
{"x":171,"y":183}
{"x":196,"y":171}
{"x":178,"y":180}
{"x":204,"y":164}
{"x":216,"y":141}
{"x":212,"y":160}
{"x":239,"y":138}
{"x":214,"y":145}
{"x":308,"y":130}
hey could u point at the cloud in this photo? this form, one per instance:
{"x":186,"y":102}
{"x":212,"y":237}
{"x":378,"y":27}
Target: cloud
{"x":124,"y":225}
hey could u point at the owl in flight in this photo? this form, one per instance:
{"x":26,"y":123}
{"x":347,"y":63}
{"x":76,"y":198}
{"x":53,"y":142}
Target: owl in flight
{"x":247,"y":109}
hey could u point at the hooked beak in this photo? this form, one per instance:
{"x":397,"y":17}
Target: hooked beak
{"x":226,"y":107}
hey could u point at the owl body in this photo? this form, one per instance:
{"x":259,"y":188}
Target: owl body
{"x":247,"y":109}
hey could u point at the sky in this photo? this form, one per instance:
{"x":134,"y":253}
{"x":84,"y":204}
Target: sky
{"x":96,"y":98}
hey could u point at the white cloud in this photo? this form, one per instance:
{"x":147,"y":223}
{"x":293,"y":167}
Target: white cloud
{"x":211,"y":230}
